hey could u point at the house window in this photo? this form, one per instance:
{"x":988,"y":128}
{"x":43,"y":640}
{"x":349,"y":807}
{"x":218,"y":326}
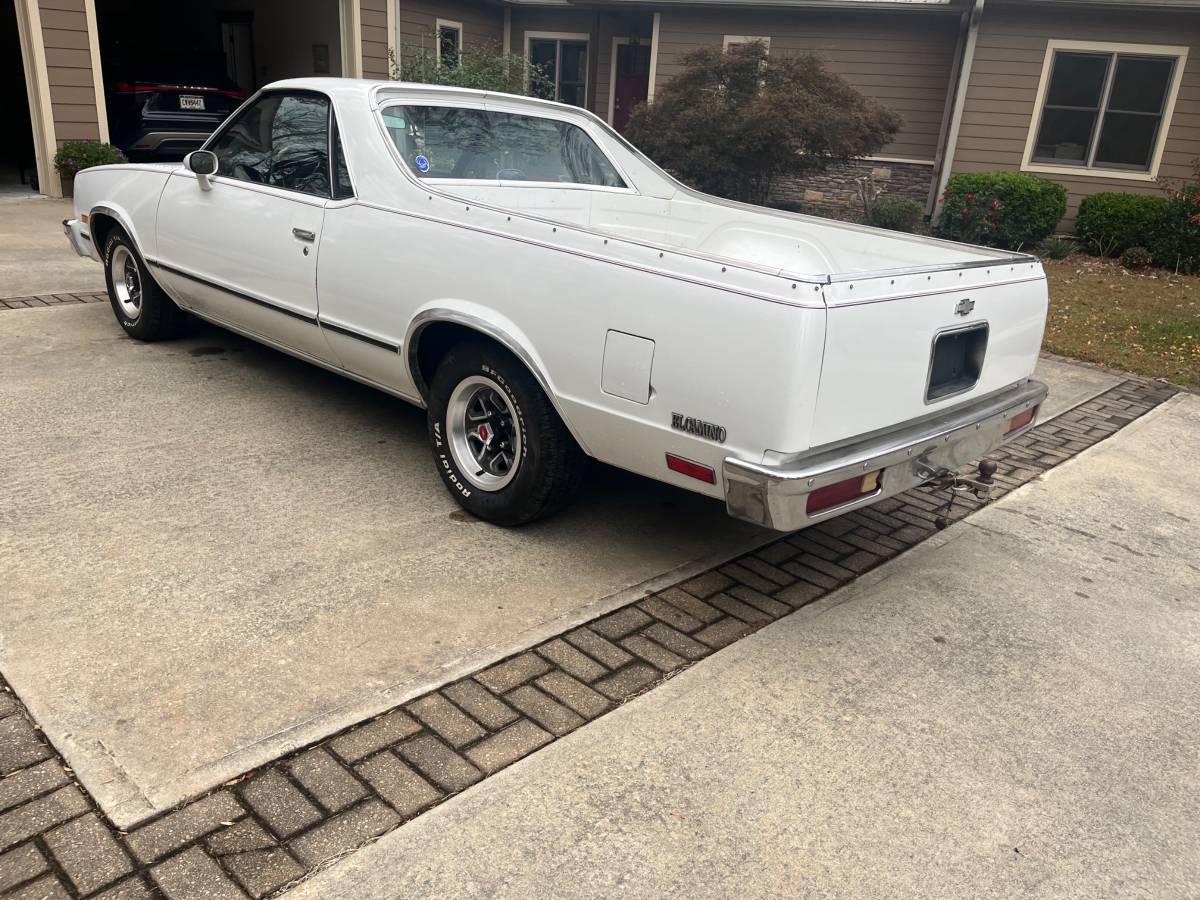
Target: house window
{"x":563,"y":62}
{"x":449,"y":42}
{"x":1105,"y":109}
{"x":733,"y":41}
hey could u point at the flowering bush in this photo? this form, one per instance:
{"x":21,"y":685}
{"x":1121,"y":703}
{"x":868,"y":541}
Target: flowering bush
{"x":1000,"y":209}
{"x":75,"y":156}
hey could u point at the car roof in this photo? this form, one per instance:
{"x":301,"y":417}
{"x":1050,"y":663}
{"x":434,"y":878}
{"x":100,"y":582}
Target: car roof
{"x":352,"y":88}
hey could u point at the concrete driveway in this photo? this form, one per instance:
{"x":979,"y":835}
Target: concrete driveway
{"x":35,"y":257}
{"x":212,"y":554}
{"x":1008,"y":710}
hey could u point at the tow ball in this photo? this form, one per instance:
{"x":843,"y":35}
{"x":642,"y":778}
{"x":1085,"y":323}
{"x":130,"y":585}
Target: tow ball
{"x":981,"y":486}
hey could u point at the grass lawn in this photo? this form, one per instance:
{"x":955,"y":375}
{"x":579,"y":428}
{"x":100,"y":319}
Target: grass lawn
{"x":1145,"y":322}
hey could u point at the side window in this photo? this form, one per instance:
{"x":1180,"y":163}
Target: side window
{"x":452,"y":142}
{"x":281,"y":140}
{"x":342,"y":187}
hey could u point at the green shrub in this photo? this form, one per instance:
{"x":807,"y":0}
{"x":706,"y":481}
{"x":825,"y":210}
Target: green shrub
{"x":483,"y":67}
{"x":1001,"y":209}
{"x":1136,"y":258}
{"x":1111,"y":223}
{"x":75,"y":156}
{"x":896,"y":214}
{"x":1175,"y":241}
{"x":733,"y":124}
{"x":1055,"y":247}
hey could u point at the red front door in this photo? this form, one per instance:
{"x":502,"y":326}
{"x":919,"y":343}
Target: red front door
{"x":632,"y":85}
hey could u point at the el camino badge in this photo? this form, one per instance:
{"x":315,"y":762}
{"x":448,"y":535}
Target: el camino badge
{"x":964,"y":307}
{"x":708,"y":430}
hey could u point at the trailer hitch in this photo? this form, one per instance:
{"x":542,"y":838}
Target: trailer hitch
{"x":943,"y":478}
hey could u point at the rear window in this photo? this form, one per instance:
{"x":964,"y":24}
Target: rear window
{"x":454,"y":142}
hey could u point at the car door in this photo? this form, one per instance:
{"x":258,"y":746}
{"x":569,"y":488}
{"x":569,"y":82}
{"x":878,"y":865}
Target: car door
{"x":242,"y":249}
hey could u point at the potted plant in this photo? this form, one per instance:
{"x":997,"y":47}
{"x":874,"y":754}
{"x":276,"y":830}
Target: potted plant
{"x":75,"y":156}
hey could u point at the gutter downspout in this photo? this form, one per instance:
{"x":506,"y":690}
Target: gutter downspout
{"x":960,"y":100}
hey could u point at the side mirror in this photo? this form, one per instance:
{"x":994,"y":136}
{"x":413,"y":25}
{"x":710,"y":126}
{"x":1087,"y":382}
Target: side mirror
{"x":203,"y":163}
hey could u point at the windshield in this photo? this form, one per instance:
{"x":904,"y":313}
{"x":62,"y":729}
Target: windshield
{"x":458,"y":142}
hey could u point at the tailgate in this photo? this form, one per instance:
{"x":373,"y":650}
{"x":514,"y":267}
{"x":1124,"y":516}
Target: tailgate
{"x":898,"y":348}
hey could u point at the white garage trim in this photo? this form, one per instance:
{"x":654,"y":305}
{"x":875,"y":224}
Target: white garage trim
{"x":37,"y":84}
{"x":392,"y":25}
{"x":89,"y":8}
{"x":351,"y":21}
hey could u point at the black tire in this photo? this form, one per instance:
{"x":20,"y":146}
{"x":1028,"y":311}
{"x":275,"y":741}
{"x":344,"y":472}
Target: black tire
{"x":547,"y":466}
{"x":156,"y":316}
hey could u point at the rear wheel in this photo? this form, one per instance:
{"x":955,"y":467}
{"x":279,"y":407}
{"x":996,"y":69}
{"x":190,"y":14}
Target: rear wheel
{"x":140,"y":305}
{"x":499,"y":445}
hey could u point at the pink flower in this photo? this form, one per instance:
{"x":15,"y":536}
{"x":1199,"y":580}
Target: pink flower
{"x":970,"y":196}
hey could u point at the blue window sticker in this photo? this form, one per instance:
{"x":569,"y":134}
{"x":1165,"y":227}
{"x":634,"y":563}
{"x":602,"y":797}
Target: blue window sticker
{"x":422,"y":163}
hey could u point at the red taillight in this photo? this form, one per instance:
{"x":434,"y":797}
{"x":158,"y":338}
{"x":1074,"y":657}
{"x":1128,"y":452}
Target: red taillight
{"x":691,"y":469}
{"x":125,"y":87}
{"x":843,"y":492}
{"x":1020,"y":420}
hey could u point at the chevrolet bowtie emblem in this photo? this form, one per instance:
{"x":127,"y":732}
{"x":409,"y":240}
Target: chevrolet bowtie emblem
{"x":964,"y":307}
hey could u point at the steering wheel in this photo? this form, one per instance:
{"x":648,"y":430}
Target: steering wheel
{"x":511,"y":175}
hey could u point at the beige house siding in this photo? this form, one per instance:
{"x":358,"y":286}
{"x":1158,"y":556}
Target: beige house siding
{"x":1003,"y":87}
{"x":374,"y":29}
{"x":69,"y":69}
{"x":903,"y":60}
{"x":483,"y":26}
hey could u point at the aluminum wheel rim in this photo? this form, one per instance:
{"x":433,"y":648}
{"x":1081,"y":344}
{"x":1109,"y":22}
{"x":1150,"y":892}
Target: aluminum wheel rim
{"x":127,"y":282}
{"x":484,"y":438}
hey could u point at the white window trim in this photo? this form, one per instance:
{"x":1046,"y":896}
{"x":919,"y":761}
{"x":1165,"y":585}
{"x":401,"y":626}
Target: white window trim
{"x":612,"y":75}
{"x":743,"y":39}
{"x":437,"y":32}
{"x":531,"y":36}
{"x":1027,"y":163}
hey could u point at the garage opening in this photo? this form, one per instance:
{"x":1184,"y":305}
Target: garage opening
{"x":174,"y":71}
{"x":18,"y":164}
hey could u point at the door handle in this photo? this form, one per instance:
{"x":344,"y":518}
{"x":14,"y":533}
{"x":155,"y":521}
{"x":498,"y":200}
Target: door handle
{"x":304,"y":235}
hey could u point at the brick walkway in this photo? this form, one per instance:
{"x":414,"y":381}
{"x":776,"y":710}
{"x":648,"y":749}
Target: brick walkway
{"x":52,"y":300}
{"x":263,"y":831}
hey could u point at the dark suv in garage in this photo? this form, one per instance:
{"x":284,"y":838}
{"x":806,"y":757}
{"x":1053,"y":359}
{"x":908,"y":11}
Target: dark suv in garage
{"x":164,"y":113}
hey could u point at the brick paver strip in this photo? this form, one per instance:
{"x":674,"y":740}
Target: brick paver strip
{"x":193,"y":875}
{"x":324,"y":778}
{"x":89,"y":853}
{"x":277,"y":824}
{"x":401,"y":788}
{"x":454,"y":726}
{"x":279,"y":803}
{"x":20,"y":865}
{"x":53,"y":300}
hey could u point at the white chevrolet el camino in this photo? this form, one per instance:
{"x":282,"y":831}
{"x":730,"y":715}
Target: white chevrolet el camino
{"x":549,"y":294}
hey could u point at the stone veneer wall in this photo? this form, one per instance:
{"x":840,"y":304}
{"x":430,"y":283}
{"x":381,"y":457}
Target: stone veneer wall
{"x":834,"y":192}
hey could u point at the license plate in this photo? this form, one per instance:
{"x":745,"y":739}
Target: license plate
{"x":190,"y":101}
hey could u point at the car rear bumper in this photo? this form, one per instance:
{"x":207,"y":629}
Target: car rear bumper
{"x":776,"y":494}
{"x":81,"y":240}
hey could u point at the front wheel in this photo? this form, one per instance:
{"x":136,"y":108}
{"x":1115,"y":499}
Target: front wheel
{"x":140,"y":305}
{"x":498,"y":443}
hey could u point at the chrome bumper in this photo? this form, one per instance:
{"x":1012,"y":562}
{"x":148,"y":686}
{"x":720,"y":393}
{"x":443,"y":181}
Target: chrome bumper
{"x":776,"y":494}
{"x":81,"y":241}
